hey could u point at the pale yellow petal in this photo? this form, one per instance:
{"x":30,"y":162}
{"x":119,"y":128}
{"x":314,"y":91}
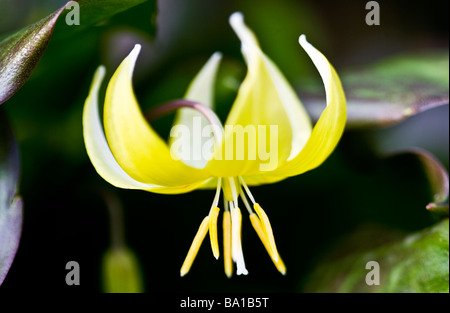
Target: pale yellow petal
{"x":137,"y":148}
{"x":97,"y":146}
{"x":200,"y":90}
{"x":264,"y":99}
{"x":100,"y":154}
{"x":330,"y":126}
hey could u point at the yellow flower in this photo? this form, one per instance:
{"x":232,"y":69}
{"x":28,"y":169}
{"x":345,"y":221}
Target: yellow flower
{"x":133,"y":156}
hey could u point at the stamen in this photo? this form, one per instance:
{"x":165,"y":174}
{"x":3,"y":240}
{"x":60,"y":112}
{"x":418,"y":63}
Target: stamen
{"x":267,"y":229}
{"x":195,"y":246}
{"x":225,"y":205}
{"x":228,"y":264}
{"x":265,"y":223}
{"x":244,"y":199}
{"x":217,"y":195}
{"x":233,"y":191}
{"x":214,"y":214}
{"x":213,"y":231}
{"x":247,"y":190}
{"x":256,"y":223}
{"x":236,"y":243}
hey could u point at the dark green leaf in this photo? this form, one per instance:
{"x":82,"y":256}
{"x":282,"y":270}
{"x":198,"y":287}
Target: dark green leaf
{"x":20,"y":52}
{"x":390,"y":91}
{"x":418,"y":262}
{"x":93,"y":12}
{"x":10,"y":204}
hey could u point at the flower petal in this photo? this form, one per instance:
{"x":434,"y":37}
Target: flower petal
{"x":137,"y":148}
{"x":200,"y":90}
{"x":99,"y":152}
{"x":330,"y":126}
{"x":265,"y":98}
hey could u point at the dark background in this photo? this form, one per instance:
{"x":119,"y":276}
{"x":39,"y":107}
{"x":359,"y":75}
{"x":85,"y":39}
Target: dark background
{"x":65,"y":219}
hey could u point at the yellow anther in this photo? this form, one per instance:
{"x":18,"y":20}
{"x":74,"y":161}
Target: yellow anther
{"x":213,"y":231}
{"x":256,"y":223}
{"x":267,"y":230}
{"x":195,"y":246}
{"x":228,"y":263}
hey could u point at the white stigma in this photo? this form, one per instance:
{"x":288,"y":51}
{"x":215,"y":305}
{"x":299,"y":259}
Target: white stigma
{"x":236,"y":243}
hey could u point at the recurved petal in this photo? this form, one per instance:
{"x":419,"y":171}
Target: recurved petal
{"x":330,"y":126}
{"x":137,"y":148}
{"x":200,"y":90}
{"x":264,"y":99}
{"x":100,"y":154}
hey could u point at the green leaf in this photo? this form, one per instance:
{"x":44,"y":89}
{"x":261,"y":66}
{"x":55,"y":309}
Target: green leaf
{"x":10,"y":204}
{"x":92,"y":12}
{"x":390,"y":91}
{"x":20,"y":52}
{"x":417,"y":263}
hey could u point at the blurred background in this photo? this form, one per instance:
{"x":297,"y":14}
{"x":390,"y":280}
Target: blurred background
{"x":65,"y":216}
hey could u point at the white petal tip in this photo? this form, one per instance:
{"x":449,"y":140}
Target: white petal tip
{"x":137,"y":47}
{"x":182,"y":274}
{"x":135,"y":52}
{"x":217,"y":55}
{"x":133,"y":57}
{"x":237,"y":18}
{"x":302,"y":39}
{"x":101,"y":70}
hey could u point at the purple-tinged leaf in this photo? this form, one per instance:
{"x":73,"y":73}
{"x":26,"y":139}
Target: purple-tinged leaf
{"x":389,"y":92}
{"x":10,"y":204}
{"x":437,"y":176}
{"x":10,"y":231}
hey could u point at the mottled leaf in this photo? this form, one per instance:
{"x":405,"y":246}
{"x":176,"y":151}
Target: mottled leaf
{"x":389,"y":91}
{"x":417,"y":263}
{"x":10,"y":204}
